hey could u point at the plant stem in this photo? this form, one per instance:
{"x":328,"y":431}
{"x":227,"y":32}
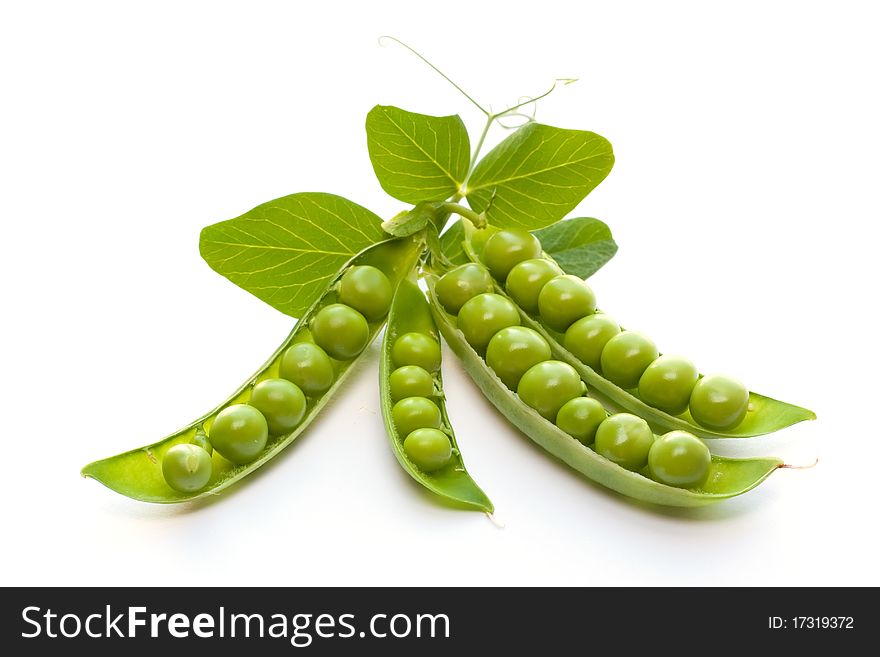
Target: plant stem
{"x":478,"y":220}
{"x":476,"y":154}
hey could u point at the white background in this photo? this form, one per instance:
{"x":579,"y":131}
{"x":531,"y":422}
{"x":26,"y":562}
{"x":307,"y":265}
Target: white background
{"x":744,"y":200}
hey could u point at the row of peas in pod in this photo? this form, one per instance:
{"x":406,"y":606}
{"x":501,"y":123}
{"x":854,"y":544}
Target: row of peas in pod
{"x":240,"y":432}
{"x":629,"y":359}
{"x":522,"y":359}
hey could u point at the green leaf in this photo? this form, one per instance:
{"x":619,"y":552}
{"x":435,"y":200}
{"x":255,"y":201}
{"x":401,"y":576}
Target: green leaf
{"x":538,"y":175}
{"x":417,"y":157}
{"x":451,"y":244}
{"x":285,"y":251}
{"x":581,"y":246}
{"x":409,"y":222}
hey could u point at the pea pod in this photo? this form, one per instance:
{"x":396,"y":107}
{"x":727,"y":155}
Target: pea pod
{"x":728,"y":477}
{"x":138,"y":473}
{"x":765,"y":414}
{"x":410,"y":313}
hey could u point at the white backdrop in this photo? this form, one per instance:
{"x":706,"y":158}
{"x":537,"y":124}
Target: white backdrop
{"x":744,"y":201}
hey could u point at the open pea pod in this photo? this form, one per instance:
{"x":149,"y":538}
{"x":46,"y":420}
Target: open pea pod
{"x":765,"y":414}
{"x":138,"y":473}
{"x":410,"y":313}
{"x":727,"y":478}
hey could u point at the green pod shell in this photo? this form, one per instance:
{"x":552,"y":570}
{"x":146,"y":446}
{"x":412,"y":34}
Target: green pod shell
{"x":410,"y":313}
{"x":138,"y":473}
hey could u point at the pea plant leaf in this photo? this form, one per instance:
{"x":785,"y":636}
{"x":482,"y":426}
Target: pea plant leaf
{"x":417,"y":157}
{"x":450,"y":244}
{"x":538,"y":175}
{"x":409,"y":222}
{"x":581,"y":245}
{"x":287,"y":250}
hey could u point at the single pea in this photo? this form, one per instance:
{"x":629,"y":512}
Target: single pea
{"x":483,"y":316}
{"x":525,"y":281}
{"x":564,"y":300}
{"x":507,"y":248}
{"x":309,"y":367}
{"x":186,"y":468}
{"x":429,"y":449}
{"x":281,"y":402}
{"x":410,"y":381}
{"x":548,"y":385}
{"x":580,"y":417}
{"x":461,"y":284}
{"x":414,"y":413}
{"x":341,"y":331}
{"x":626,"y":356}
{"x":513,"y":350}
{"x":239,"y":433}
{"x":680,"y":459}
{"x":624,"y":439}
{"x":667,"y":384}
{"x":416,"y":349}
{"x":719,"y":402}
{"x":201,"y":439}
{"x":366,"y":289}
{"x":587,"y":337}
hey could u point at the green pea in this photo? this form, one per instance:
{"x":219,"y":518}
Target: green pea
{"x":239,"y":433}
{"x":341,"y":331}
{"x":410,"y":381}
{"x":461,"y":284}
{"x":201,"y":439}
{"x":580,"y":417}
{"x":513,"y":350}
{"x":719,"y":402}
{"x":414,"y":413}
{"x":366,"y":289}
{"x":626,"y":356}
{"x":281,"y":402}
{"x":679,"y":459}
{"x":526,"y":280}
{"x":563,"y":300}
{"x":416,"y":349}
{"x":587,"y":337}
{"x":186,"y":468}
{"x":667,"y":384}
{"x":483,"y":316}
{"x":507,"y":248}
{"x":624,"y":439}
{"x":548,"y":385}
{"x":309,"y":367}
{"x":429,"y":449}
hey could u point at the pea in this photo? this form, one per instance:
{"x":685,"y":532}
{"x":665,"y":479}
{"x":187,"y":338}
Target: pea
{"x":186,"y":468}
{"x":626,"y":356}
{"x":366,"y":289}
{"x":429,"y":449}
{"x":563,"y":300}
{"x":309,"y":367}
{"x":341,"y":331}
{"x":507,"y":248}
{"x":239,"y":433}
{"x":461,"y":284}
{"x":548,"y":385}
{"x":667,"y":383}
{"x":483,"y":316}
{"x":281,"y":402}
{"x":526,"y":280}
{"x":587,"y":337}
{"x":414,"y":413}
{"x":719,"y":402}
{"x":513,"y":350}
{"x":624,"y":439}
{"x":580,"y":417}
{"x":416,"y":349}
{"x":680,"y":459}
{"x":410,"y":381}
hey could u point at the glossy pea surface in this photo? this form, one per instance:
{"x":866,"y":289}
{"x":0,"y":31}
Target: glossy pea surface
{"x":626,"y":356}
{"x":483,"y":316}
{"x":719,"y":402}
{"x":458,"y":286}
{"x":513,"y":350}
{"x":415,"y":348}
{"x":580,"y":417}
{"x":667,"y":383}
{"x":624,"y":439}
{"x":366,"y":289}
{"x":341,"y":331}
{"x":507,"y":248}
{"x":186,"y":468}
{"x":547,"y":386}
{"x":526,"y":279}
{"x":679,"y":459}
{"x":587,"y":337}
{"x":563,"y":300}
{"x":429,"y":449}
{"x":281,"y":402}
{"x":239,"y":433}
{"x":309,"y":367}
{"x":414,"y":413}
{"x":410,"y":381}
